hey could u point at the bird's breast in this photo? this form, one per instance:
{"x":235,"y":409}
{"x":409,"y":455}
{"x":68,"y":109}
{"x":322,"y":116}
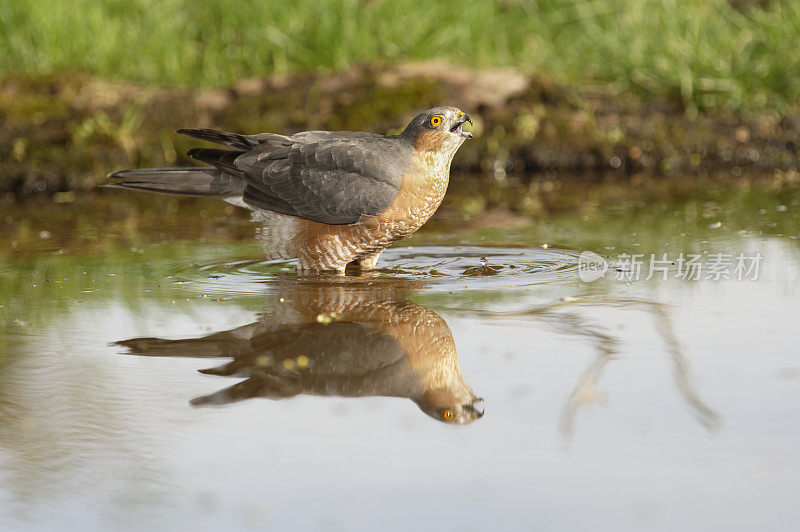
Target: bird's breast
{"x":421,"y":192}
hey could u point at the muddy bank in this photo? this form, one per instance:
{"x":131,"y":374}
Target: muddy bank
{"x":66,"y":132}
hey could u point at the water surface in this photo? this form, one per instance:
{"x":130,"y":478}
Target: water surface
{"x":156,"y":373}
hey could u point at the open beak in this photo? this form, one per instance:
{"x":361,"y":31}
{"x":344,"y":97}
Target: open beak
{"x":457,"y":126}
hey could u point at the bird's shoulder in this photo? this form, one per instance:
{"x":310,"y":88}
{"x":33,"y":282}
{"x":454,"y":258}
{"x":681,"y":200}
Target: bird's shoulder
{"x":354,"y":152}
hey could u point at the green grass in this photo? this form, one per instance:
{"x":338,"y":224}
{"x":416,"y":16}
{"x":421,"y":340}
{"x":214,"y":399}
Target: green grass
{"x":704,"y":52}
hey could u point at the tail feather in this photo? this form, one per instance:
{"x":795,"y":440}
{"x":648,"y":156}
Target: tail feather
{"x":225,"y":160}
{"x":208,"y":347}
{"x":207,"y":182}
{"x":235,"y":140}
{"x":232,"y":140}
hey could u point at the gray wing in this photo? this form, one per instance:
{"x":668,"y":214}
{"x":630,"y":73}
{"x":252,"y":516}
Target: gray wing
{"x":327,"y":177}
{"x":247,"y":142}
{"x":316,"y":136}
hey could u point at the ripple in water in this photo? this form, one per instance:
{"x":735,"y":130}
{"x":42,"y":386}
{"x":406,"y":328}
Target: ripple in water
{"x":436,"y":266}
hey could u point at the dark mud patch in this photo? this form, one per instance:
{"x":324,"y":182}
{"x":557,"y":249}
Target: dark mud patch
{"x":65,"y":132}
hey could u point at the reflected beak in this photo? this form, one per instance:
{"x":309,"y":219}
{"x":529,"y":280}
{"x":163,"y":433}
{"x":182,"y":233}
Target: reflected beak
{"x":477,"y":407}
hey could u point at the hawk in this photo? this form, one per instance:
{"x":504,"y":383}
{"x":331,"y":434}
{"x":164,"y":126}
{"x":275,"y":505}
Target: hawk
{"x":325,"y":198}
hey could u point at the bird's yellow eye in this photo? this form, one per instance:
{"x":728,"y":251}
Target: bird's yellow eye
{"x":447,"y":414}
{"x":436,"y":121}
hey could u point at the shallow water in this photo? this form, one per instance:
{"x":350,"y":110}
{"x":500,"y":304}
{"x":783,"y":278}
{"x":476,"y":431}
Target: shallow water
{"x":479,"y":379}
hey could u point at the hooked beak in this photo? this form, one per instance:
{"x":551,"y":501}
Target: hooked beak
{"x":457,"y":126}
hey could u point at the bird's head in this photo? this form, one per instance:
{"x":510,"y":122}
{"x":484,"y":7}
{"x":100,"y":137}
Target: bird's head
{"x":437,"y":129}
{"x":455,"y":406}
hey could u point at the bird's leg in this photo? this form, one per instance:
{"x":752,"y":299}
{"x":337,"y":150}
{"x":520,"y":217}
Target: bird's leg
{"x":367,"y":262}
{"x":314,"y":269}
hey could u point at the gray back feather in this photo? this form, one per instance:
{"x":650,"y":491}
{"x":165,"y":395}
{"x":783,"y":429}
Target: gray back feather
{"x":329,"y":177}
{"x":334,"y":177}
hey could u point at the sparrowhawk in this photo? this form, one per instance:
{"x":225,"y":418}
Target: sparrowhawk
{"x":326,"y":198}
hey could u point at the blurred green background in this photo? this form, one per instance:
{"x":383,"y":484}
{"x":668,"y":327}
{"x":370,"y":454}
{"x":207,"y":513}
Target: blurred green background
{"x":708,"y":53}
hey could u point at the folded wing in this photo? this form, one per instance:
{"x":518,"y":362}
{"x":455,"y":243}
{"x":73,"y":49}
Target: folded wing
{"x":328,"y":177}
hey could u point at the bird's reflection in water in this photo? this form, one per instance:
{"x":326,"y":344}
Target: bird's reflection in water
{"x":331,"y":339}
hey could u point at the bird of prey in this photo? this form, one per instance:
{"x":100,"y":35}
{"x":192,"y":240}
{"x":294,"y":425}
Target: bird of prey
{"x":325,"y":198}
{"x":335,"y":340}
